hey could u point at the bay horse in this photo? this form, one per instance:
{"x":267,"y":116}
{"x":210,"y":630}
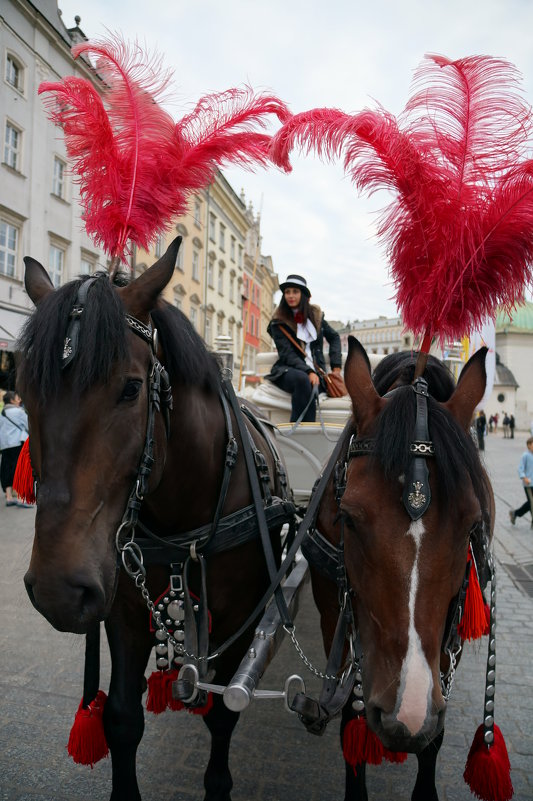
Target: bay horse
{"x":404,"y":575}
{"x":89,"y":357}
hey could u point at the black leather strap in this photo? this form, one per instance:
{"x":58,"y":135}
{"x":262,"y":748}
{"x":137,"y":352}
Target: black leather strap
{"x":70,"y":347}
{"x":257,"y":500}
{"x":416,"y":492}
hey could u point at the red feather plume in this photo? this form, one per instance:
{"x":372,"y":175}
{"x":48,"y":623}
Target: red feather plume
{"x":135,"y":166}
{"x":459,"y":231}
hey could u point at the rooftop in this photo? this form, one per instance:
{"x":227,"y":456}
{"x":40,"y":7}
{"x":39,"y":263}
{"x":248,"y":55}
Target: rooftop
{"x":519,"y":321}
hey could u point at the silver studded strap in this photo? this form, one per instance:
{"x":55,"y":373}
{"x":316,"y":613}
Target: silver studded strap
{"x":490,"y":674}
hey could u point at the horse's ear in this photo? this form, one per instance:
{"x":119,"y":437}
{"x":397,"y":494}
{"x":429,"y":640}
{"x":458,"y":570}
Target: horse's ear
{"x":366,"y":402}
{"x":36,"y":280}
{"x":140,"y":297}
{"x":470,"y":389}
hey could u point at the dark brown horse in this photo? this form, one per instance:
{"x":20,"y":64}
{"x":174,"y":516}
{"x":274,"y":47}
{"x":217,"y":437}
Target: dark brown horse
{"x":405,"y":574}
{"x":86,"y":378}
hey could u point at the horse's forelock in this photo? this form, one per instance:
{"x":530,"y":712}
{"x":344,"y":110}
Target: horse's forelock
{"x":102,"y":341}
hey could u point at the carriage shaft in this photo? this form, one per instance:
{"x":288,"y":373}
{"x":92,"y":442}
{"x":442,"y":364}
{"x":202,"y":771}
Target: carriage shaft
{"x":267,"y":639}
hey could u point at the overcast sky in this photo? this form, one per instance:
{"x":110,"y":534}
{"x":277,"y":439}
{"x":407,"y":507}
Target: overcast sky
{"x":342,"y":53}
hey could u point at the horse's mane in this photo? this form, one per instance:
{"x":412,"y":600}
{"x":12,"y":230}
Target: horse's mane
{"x":103,"y":343}
{"x":456,"y":459}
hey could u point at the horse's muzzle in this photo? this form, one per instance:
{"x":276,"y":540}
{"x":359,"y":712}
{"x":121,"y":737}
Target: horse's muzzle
{"x":71,"y":604}
{"x":396,"y":736}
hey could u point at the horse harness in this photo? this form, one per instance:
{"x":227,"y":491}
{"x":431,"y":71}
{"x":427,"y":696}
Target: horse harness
{"x":182,"y":626}
{"x":328,"y":559}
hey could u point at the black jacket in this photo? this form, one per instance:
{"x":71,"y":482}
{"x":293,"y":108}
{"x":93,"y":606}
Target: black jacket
{"x":290,"y":356}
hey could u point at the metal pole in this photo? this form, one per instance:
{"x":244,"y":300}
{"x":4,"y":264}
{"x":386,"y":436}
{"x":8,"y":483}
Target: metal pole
{"x":268,"y":637}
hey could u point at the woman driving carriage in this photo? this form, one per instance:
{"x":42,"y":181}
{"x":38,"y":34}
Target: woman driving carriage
{"x":296,"y":327}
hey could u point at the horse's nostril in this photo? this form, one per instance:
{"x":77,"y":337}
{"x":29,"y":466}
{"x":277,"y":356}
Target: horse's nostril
{"x":28,"y":583}
{"x":88,"y":599}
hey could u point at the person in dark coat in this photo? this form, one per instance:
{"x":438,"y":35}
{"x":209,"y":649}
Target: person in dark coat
{"x":481,"y":424}
{"x":305,"y":323}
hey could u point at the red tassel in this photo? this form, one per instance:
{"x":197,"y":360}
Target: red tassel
{"x":87,"y":743}
{"x":23,"y":482}
{"x":475,"y":622}
{"x":160,"y":695}
{"x":360,"y":744}
{"x":487,"y":770}
{"x":159,"y":685}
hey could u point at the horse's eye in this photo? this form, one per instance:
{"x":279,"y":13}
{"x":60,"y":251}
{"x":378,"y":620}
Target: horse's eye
{"x":348,"y":521}
{"x":131,"y":389}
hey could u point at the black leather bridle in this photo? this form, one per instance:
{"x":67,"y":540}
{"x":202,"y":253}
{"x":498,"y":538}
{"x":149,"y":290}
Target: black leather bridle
{"x":159,"y":400}
{"x":416,"y":495}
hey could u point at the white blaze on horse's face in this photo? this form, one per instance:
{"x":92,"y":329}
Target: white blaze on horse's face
{"x":416,"y":680}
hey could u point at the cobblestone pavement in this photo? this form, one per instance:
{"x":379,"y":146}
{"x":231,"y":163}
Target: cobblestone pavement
{"x":272,"y":757}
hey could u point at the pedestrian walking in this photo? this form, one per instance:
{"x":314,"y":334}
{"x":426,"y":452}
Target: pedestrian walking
{"x":505,"y":425}
{"x":525,"y":471}
{"x":13,"y":433}
{"x":511,"y":426}
{"x":481,"y":424}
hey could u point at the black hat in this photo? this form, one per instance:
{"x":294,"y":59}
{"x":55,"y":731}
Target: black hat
{"x":296,"y":281}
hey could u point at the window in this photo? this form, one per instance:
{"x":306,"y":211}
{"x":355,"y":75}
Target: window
{"x":9,"y":235}
{"x":14,"y":73}
{"x":86,"y":266}
{"x":222,"y":237}
{"x":197,"y":211}
{"x":219,"y":327}
{"x":208,"y":330}
{"x":159,"y":246}
{"x":232,"y":288}
{"x":232,"y":248}
{"x":210,"y":274}
{"x":56,"y":262}
{"x":193,"y":316}
{"x":240,"y":256}
{"x":220,"y":280}
{"x":177,"y":303}
{"x":212,"y":219}
{"x":179,"y":259}
{"x":195,"y":265}
{"x":12,"y":144}
{"x":58,"y":181}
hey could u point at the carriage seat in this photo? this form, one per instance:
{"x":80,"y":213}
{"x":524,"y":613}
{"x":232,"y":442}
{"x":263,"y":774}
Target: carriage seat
{"x":275,"y":403}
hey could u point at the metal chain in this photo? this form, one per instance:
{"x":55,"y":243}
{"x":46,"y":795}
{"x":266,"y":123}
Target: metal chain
{"x":446,"y":680}
{"x":305,"y":660}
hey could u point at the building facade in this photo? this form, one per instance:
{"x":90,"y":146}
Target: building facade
{"x":220,"y":273}
{"x":40,"y":213}
{"x":39,"y":210}
{"x":380,"y":335}
{"x":514,"y":349}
